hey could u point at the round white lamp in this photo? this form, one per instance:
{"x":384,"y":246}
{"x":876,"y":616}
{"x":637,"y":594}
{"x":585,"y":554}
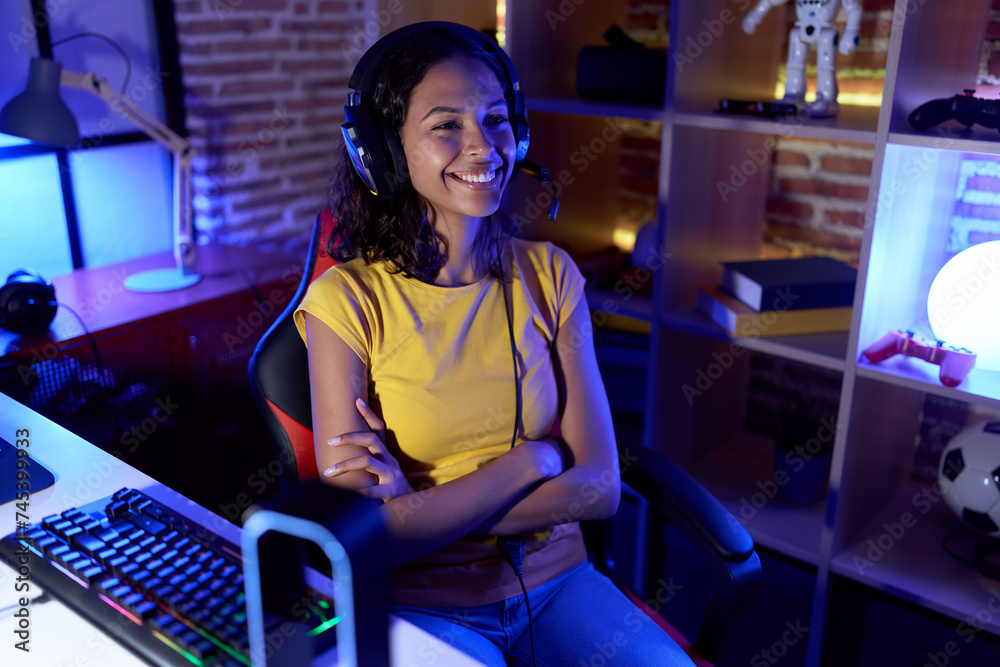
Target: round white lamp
{"x":963,"y":305}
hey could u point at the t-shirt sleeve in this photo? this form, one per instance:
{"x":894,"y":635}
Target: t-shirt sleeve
{"x":569,"y":283}
{"x":336,"y":302}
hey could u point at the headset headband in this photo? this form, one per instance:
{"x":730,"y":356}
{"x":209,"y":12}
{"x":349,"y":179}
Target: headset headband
{"x":364,"y":71}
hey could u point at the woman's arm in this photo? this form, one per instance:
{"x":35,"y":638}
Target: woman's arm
{"x":423,"y":521}
{"x":590,"y":488}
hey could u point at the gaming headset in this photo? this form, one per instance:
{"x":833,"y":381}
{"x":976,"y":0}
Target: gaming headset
{"x":375,"y":149}
{"x":27,"y":303}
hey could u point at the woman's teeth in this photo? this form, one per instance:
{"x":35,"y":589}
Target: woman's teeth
{"x":485,"y":177}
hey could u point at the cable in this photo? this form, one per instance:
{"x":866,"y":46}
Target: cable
{"x":86,"y":332}
{"x":946,"y":546}
{"x":114,"y":45}
{"x":511,"y":546}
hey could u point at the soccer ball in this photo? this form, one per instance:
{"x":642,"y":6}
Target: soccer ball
{"x":969,"y":475}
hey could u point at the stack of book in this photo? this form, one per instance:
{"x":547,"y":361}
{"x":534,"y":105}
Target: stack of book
{"x":781,"y":297}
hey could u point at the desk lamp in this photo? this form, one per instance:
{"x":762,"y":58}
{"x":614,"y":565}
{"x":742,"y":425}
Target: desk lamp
{"x":40,"y":114}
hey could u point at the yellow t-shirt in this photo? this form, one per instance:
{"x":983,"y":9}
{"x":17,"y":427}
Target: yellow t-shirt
{"x":441,"y":377}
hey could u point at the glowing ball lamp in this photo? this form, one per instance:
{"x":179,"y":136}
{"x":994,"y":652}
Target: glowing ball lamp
{"x":964,"y":303}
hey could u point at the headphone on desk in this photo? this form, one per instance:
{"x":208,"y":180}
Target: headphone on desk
{"x":27,"y":303}
{"x":375,"y":148}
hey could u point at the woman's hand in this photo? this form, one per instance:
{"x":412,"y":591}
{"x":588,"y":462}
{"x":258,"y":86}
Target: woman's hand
{"x":378,"y":461}
{"x":547,"y":456}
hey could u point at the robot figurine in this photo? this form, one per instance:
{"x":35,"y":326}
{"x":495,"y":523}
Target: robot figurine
{"x":814,"y":24}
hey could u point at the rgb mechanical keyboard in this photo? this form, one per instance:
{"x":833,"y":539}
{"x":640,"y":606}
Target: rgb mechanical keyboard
{"x":159,"y":583}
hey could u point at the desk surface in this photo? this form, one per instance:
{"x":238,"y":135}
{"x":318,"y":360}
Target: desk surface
{"x":99,"y":296}
{"x":85,"y":473}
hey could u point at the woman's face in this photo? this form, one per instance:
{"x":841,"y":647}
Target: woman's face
{"x":458,"y":140}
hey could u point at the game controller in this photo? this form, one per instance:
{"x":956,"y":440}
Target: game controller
{"x":966,"y":109}
{"x":955,"y":362}
{"x":755,"y":108}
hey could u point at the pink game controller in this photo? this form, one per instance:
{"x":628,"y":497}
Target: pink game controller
{"x":955,"y":362}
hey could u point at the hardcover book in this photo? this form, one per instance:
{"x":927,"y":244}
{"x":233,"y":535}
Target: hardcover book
{"x":791,"y":284}
{"x":741,"y":321}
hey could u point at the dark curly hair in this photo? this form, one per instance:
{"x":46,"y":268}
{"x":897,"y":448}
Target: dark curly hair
{"x":397,"y":229}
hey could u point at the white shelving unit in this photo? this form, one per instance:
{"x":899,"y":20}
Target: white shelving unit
{"x":933,"y":52}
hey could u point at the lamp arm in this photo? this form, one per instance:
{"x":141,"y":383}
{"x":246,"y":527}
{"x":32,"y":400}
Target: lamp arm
{"x":182,"y":150}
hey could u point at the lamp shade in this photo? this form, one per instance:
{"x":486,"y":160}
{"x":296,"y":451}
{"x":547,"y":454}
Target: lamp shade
{"x":39,"y":113}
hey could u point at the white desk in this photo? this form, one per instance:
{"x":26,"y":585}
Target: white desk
{"x":85,"y":473}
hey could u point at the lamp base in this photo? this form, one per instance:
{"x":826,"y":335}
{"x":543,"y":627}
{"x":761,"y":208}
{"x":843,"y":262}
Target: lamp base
{"x":160,"y":280}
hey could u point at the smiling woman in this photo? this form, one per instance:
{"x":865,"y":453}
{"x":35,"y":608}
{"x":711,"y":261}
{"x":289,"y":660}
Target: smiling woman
{"x":483,"y":472}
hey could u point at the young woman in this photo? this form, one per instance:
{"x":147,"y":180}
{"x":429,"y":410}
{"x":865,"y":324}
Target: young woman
{"x":453,"y":376}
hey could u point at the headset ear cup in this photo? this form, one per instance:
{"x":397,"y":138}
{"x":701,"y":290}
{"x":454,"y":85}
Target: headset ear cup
{"x":398,"y":173}
{"x":364,"y":145}
{"x":27,"y":303}
{"x":522,"y":134}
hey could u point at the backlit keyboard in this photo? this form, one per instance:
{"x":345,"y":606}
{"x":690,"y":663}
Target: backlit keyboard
{"x":164,"y":586}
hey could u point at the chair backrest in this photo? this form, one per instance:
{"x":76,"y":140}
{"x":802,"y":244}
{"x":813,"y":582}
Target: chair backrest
{"x":279,"y":371}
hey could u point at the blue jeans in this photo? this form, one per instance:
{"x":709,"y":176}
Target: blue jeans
{"x":579,"y":619}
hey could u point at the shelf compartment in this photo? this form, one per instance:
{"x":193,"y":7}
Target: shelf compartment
{"x":631,"y":305}
{"x":825,"y":350}
{"x":854,"y":124}
{"x":907,"y":560}
{"x":578,"y":106}
{"x":741,"y":476}
{"x":981,"y":386}
{"x":950,"y":137}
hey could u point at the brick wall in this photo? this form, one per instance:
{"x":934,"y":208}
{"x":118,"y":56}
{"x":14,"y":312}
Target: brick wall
{"x":819,"y":190}
{"x":265,"y":83}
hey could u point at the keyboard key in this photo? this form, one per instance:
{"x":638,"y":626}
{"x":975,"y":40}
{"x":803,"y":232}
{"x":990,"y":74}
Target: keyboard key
{"x":109,"y":583}
{"x":43,"y":543}
{"x":202,"y":649}
{"x":106,"y":534}
{"x":89,"y":524}
{"x":71,"y":531}
{"x":88,"y":544}
{"x":116,"y":509}
{"x":120,"y":591}
{"x":91,"y":573}
{"x":128,"y":568}
{"x":104,"y":555}
{"x":68,"y":557}
{"x":145,"y":609}
{"x":148,"y":523}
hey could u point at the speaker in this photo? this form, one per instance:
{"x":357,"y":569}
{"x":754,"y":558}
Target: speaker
{"x":375,"y":149}
{"x":27,"y":303}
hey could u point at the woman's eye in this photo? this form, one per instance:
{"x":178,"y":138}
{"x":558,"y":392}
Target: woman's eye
{"x":450,"y":125}
{"x":496,"y":119}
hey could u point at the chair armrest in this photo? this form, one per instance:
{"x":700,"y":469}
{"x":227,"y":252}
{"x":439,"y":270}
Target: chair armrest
{"x":686,"y":503}
{"x":677,"y":498}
